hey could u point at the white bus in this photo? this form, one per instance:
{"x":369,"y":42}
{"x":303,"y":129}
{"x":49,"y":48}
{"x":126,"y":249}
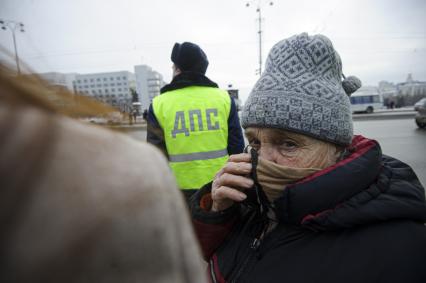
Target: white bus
{"x":366,"y":99}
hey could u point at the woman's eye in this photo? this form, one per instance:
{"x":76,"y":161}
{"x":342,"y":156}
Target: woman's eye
{"x":289,"y":145}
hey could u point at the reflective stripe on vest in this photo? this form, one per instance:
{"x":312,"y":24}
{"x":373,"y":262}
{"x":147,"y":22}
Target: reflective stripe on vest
{"x":198,"y":155}
{"x":195,"y":125}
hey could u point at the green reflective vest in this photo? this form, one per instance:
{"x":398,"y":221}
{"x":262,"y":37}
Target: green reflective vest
{"x":195,"y":124}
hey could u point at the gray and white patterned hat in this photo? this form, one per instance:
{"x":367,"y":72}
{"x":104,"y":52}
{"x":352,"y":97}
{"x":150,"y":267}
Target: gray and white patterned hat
{"x":302,"y":91}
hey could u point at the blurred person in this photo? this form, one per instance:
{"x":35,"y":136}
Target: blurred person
{"x":194,"y":122}
{"x":310,"y":202}
{"x":134,"y":114}
{"x":78,"y":203}
{"x":130,"y":115}
{"x":145,"y":114}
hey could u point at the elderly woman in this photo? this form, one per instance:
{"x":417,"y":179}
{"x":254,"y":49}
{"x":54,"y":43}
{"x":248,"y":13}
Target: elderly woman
{"x":310,"y":202}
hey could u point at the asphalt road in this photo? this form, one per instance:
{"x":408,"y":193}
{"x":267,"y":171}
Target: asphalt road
{"x":398,"y":137}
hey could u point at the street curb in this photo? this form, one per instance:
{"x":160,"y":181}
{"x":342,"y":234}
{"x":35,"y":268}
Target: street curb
{"x":130,"y":127}
{"x":383,"y":116}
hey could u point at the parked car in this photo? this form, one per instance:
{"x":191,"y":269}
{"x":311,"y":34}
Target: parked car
{"x":419,"y":103}
{"x":420,"y":118}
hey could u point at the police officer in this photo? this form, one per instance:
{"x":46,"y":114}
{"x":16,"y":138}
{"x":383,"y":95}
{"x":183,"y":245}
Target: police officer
{"x":194,"y":122}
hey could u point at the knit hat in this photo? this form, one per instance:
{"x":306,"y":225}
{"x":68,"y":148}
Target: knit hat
{"x":189,"y":57}
{"x":302,"y":91}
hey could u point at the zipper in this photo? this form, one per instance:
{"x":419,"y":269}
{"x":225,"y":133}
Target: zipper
{"x":212,"y":274}
{"x":254,"y":252}
{"x":252,"y":255}
{"x":241,"y":269}
{"x":255,"y":244}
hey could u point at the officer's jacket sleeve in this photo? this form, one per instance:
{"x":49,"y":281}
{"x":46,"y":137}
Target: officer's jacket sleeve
{"x":155,"y":134}
{"x":235,"y":134}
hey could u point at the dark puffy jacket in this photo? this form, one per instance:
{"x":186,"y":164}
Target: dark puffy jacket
{"x":361,"y":220}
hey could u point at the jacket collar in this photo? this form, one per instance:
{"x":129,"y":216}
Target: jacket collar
{"x":356,"y":190}
{"x":186,"y":79}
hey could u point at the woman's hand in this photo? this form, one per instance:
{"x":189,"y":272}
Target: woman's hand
{"x":230,"y":181}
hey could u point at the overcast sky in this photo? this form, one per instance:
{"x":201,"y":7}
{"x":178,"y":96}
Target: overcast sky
{"x":377,"y":39}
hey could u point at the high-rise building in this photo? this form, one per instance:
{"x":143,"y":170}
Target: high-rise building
{"x":148,"y":84}
{"x":57,"y":82}
{"x":113,"y":88}
{"x":411,"y":87}
{"x":60,"y":80}
{"x":387,"y":88}
{"x":234,"y":94}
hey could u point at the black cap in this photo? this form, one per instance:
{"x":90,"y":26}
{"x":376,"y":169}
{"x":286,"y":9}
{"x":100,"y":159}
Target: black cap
{"x":189,"y":57}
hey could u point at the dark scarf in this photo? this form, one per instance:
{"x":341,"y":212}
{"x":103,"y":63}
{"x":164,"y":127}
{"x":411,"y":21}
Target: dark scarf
{"x":186,"y":79}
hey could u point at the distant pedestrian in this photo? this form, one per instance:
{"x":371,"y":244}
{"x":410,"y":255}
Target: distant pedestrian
{"x":134,"y":114}
{"x":145,"y":114}
{"x":194,"y":122}
{"x":130,"y":115}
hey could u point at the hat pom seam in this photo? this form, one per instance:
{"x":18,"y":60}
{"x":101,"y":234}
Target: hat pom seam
{"x":351,"y":84}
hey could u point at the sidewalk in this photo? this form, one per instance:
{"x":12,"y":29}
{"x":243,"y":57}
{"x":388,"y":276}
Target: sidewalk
{"x":402,"y":109}
{"x":385,"y":114}
{"x":136,"y":126}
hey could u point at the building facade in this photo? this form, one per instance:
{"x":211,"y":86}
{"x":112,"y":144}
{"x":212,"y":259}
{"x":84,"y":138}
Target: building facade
{"x":387,"y":89}
{"x":411,"y":87}
{"x":113,"y":88}
{"x":60,"y":80}
{"x":234,"y":93}
{"x":148,"y":84}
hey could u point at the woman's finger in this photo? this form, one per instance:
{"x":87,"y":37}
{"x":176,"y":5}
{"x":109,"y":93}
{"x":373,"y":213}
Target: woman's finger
{"x":242,"y":157}
{"x":231,"y":180}
{"x":224,"y":197}
{"x":228,"y":193}
{"x":238,"y":168}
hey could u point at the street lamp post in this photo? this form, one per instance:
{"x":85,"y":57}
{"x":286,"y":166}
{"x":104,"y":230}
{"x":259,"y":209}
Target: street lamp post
{"x":13,"y":26}
{"x":259,"y":14}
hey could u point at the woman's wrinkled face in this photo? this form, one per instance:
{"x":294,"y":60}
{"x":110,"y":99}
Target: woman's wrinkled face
{"x":291,"y":149}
